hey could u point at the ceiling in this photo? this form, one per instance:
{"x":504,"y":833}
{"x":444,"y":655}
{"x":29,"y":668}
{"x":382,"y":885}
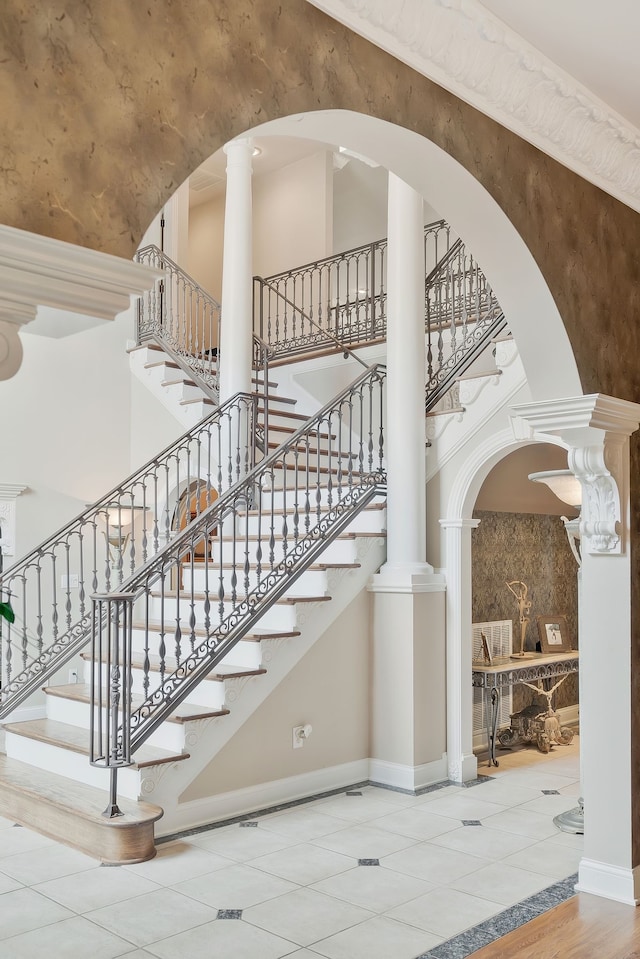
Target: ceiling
{"x":593,"y":41}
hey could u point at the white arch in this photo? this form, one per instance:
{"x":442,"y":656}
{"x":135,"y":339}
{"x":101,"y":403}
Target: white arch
{"x":533,"y":317}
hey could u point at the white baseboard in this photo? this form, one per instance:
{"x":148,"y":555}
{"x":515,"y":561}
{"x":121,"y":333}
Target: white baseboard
{"x":239,"y":802}
{"x":609,"y":882}
{"x":25,"y":714}
{"x":408,"y":777}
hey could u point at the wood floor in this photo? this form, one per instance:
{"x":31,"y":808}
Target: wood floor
{"x":584,"y":927}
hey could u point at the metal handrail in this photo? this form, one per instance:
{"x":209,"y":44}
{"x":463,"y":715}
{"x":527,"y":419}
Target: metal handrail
{"x":183,"y":318}
{"x":341,"y":346}
{"x":49,"y":588}
{"x":259,"y":536}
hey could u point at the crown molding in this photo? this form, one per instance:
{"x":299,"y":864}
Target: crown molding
{"x":38,"y":271}
{"x":467,"y":50}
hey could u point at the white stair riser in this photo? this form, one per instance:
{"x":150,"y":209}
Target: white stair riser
{"x":169,"y":736}
{"x":368,"y":521}
{"x":243,"y":654}
{"x":178,"y":392}
{"x":279,"y":617}
{"x":65,"y":762}
{"x":209,"y":692}
{"x":340,"y":551}
{"x":311,"y":583}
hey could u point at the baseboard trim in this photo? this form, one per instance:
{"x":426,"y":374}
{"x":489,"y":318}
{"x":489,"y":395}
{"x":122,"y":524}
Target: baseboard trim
{"x":408,"y":778}
{"x":609,"y":882}
{"x":239,"y":802}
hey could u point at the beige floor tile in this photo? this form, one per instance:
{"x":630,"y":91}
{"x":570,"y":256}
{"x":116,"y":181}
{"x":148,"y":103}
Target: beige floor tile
{"x":24,"y":910}
{"x":19,"y":839}
{"x":98,"y":887}
{"x":501,"y":883}
{"x":468,"y":805}
{"x":152,"y":917}
{"x":354,"y":808}
{"x":446,"y":912}
{"x":373,"y":887}
{"x":302,"y":825}
{"x":69,"y":939}
{"x":8,"y":884}
{"x":550,"y":805}
{"x":364,"y":842}
{"x":236,"y":887}
{"x":436,"y":864}
{"x":548,"y":858}
{"x":522,"y":823}
{"x":418,"y":823}
{"x":241,"y":843}
{"x":222,"y":938}
{"x":379,"y":938}
{"x":483,"y":842}
{"x":177,"y":861}
{"x":305,"y":916}
{"x":304,"y":863}
{"x":34,"y":867}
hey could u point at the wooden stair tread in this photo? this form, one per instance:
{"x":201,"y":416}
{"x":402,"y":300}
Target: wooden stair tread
{"x":274,"y":396}
{"x":273,"y":428}
{"x":85,"y":801}
{"x":315,"y":567}
{"x":313,"y":450}
{"x":478,"y":376}
{"x":288,"y":413}
{"x":75,"y":739}
{"x":254,"y":539}
{"x":81,"y":693}
{"x":313,"y":511}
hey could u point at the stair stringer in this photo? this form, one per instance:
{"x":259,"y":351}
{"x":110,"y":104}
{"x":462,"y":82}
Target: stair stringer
{"x":165,"y":783}
{"x":152,"y":377}
{"x":485,"y":396}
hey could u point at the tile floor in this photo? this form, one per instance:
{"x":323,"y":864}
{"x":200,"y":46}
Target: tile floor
{"x":376,"y":874}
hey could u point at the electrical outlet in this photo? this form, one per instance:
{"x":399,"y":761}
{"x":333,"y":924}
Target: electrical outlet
{"x":72,"y":581}
{"x":297,"y":741}
{"x":73,"y":675}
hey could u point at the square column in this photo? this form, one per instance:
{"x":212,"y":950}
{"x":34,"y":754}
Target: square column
{"x":596,"y":429}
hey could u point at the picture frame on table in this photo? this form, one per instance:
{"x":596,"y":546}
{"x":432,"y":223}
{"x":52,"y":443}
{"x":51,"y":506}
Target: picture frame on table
{"x":553,"y":634}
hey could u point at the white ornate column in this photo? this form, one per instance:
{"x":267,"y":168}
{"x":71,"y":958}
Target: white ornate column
{"x":237,"y":273}
{"x":596,"y":429}
{"x":408,"y":716}
{"x":405,"y":436}
{"x":461,"y":762}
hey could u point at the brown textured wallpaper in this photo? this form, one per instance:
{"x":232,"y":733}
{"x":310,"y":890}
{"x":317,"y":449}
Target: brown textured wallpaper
{"x":534,"y":549}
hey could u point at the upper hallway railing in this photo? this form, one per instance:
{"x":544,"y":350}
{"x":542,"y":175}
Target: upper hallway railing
{"x":345,"y":295}
{"x":50,"y":588}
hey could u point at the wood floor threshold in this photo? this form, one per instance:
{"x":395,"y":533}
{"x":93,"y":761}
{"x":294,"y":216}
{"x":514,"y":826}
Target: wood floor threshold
{"x":583,"y":927}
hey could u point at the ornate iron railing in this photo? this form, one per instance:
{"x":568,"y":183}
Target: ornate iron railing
{"x":462,"y":316}
{"x":50,"y":588}
{"x":340,"y":297}
{"x":182,"y":318}
{"x":175,"y":620}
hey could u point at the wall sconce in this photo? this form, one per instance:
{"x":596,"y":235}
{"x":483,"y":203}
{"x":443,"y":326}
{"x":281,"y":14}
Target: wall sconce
{"x":568,"y":489}
{"x":119,"y":522}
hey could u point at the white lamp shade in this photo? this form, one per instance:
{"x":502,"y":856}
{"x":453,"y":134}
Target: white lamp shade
{"x":563,"y":483}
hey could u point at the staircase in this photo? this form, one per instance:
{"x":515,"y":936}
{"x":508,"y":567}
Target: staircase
{"x":208,"y":573}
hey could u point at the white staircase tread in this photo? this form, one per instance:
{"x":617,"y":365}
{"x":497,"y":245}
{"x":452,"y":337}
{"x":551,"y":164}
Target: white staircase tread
{"x":81,"y":800}
{"x":240,"y":598}
{"x":81,"y":693}
{"x":178,"y":379}
{"x":255,"y":637}
{"x":218,"y":673}
{"x":75,"y":739}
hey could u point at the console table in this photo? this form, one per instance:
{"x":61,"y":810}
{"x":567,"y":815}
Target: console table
{"x":507,"y":672}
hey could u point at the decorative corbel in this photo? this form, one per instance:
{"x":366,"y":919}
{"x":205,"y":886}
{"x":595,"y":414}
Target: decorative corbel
{"x":595,"y":429}
{"x":600,"y":470}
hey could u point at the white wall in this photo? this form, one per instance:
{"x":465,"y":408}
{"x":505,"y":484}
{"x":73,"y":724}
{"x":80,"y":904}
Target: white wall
{"x":206,"y":233}
{"x":292,"y":214}
{"x":329,"y":688}
{"x":359,"y":205}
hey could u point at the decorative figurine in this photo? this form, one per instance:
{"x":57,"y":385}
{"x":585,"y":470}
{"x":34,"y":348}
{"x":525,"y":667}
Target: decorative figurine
{"x":524,"y":608}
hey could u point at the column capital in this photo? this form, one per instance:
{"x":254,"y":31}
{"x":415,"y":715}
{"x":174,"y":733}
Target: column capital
{"x":596,"y":429}
{"x":459,"y":523}
{"x":239,"y":151}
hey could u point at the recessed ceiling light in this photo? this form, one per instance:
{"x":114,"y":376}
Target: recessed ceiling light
{"x":257,"y":151}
